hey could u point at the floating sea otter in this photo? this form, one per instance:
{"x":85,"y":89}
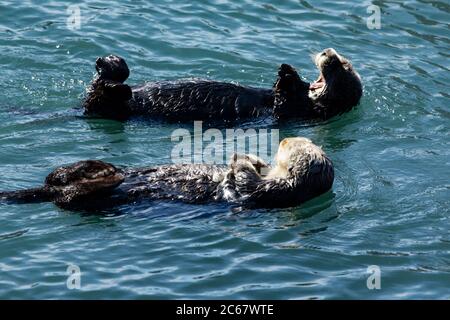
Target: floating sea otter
{"x":302,"y":172}
{"x":338,"y":89}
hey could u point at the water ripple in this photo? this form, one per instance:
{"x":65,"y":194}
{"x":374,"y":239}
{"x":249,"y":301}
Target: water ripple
{"x":389,"y":205}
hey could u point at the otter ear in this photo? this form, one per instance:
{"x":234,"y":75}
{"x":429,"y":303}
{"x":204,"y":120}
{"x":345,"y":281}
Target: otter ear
{"x":288,"y":78}
{"x":118,"y":90}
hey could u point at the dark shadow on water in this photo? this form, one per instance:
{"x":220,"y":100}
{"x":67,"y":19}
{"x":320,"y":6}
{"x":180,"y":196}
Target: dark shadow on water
{"x":333,"y":133}
{"x":261,"y":122}
{"x":14,"y":234}
{"x":104,"y":125}
{"x":157,"y":209}
{"x":175,"y":211}
{"x":315,"y":206}
{"x":45,"y":118}
{"x":304,"y":211}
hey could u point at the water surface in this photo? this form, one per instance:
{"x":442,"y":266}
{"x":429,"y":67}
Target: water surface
{"x":389,"y":205}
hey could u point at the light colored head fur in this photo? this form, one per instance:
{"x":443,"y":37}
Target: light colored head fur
{"x":294,"y":156}
{"x":338,"y":87}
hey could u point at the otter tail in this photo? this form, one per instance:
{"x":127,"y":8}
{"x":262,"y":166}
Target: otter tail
{"x":33,"y":195}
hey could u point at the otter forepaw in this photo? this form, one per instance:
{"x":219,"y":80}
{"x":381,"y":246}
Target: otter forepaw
{"x":82,"y":179}
{"x":248,"y":160}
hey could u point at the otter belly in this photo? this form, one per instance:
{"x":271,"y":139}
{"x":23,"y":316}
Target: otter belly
{"x":200,"y":100}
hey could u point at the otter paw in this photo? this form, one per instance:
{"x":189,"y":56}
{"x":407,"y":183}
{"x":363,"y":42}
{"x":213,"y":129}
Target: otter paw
{"x":247,"y":160}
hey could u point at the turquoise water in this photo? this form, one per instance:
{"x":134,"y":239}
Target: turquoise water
{"x":389,"y":205}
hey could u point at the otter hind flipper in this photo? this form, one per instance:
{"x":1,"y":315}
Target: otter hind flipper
{"x":291,"y":93}
{"x":288,"y":78}
{"x":108,"y":98}
{"x":118,"y":90}
{"x":112,"y":68}
{"x":33,"y":195}
{"x":72,"y":185}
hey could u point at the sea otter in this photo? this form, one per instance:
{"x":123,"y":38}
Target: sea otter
{"x":338,"y":89}
{"x":302,"y":171}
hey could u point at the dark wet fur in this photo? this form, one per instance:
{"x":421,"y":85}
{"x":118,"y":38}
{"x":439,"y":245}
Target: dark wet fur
{"x":95,"y":185}
{"x":343,"y":89}
{"x":198,"y":99}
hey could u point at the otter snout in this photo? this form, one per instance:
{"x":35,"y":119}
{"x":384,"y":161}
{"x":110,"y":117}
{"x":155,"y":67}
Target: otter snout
{"x":326,"y":55}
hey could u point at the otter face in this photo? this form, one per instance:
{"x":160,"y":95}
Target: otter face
{"x":112,"y":68}
{"x":289,"y":149}
{"x":305,"y":167}
{"x":329,"y":62}
{"x":74,"y":182}
{"x":338,"y":87}
{"x":285,"y":158}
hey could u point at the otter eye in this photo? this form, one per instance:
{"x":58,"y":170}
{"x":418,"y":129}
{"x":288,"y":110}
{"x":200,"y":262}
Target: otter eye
{"x":323,"y":53}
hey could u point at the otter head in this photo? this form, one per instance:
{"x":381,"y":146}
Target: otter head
{"x":304,"y":166}
{"x":73,"y":184}
{"x":338,"y":88}
{"x":108,"y":96}
{"x":112,"y":68}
